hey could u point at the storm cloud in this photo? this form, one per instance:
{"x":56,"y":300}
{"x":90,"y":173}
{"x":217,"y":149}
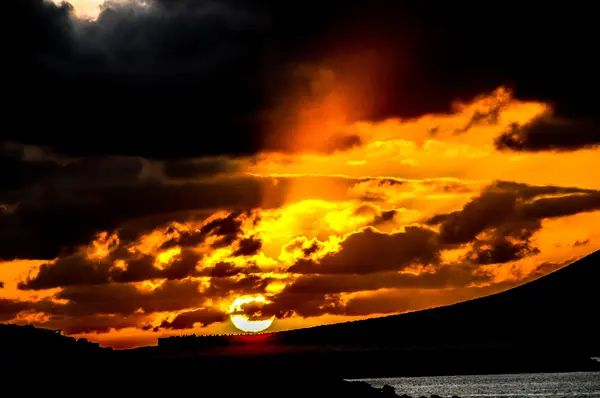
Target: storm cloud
{"x":551,"y":134}
{"x":219,"y":68}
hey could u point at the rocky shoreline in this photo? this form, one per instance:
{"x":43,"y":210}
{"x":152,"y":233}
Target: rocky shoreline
{"x":362,"y":387}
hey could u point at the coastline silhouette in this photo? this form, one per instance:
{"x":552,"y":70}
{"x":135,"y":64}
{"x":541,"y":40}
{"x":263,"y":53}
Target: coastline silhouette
{"x":546,"y":325}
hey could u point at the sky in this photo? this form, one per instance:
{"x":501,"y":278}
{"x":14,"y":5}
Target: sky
{"x":343,"y":160}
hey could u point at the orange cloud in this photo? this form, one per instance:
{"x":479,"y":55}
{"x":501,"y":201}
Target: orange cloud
{"x":361,"y":218}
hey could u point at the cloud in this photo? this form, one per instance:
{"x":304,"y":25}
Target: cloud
{"x":91,"y":62}
{"x":186,"y":169}
{"x":187,"y":319}
{"x":104,"y":307}
{"x":125,"y":299}
{"x":173,"y":252}
{"x":376,"y":294}
{"x":561,"y":206}
{"x":248,"y":247}
{"x":68,"y":205}
{"x":24,"y":165}
{"x":222,"y":66}
{"x":287,"y":305}
{"x":503,"y":203}
{"x":226,"y":229}
{"x":443,"y":277}
{"x":506,"y":243}
{"x":395,"y":251}
{"x":548,"y":133}
{"x":392,"y":293}
{"x":10,"y":308}
{"x":547,"y":267}
{"x":1,"y":285}
{"x":61,"y":213}
{"x":93,"y":323}
{"x":224,"y":270}
{"x":77,"y":269}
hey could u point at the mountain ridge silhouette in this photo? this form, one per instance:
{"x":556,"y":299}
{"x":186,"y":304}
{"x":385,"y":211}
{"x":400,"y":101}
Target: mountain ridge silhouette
{"x":556,"y":300}
{"x":545,"y":325}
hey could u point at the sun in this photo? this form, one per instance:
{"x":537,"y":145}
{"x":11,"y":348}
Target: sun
{"x":243,"y":321}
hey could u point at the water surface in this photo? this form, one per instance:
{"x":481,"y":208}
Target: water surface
{"x":579,"y":384}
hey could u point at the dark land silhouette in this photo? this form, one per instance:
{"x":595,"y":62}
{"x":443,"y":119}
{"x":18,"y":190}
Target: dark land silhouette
{"x":546,"y":325}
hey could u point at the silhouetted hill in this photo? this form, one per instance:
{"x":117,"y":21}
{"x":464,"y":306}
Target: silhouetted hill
{"x":545,"y":325}
{"x":28,"y":342}
{"x":35,"y":361}
{"x":559,"y":310}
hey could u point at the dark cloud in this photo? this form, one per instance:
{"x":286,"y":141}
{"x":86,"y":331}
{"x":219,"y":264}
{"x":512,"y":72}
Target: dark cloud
{"x":527,"y":192}
{"x":547,"y":267}
{"x":508,"y":242}
{"x":101,"y":308}
{"x":343,"y":143}
{"x":214,"y":66}
{"x":73,"y":201}
{"x":60,"y":216}
{"x":370,"y":251}
{"x":561,"y":206}
{"x":177,"y":68}
{"x":288,"y":304}
{"x":92,"y":323}
{"x":384,"y":217}
{"x":500,"y":223}
{"x":482,"y":212}
{"x":550,"y":134}
{"x":68,"y":271}
{"x":141,"y":268}
{"x":125,"y":299}
{"x":379,"y":216}
{"x":1,"y":285}
{"x":317,"y":295}
{"x":503,"y":203}
{"x":69,"y":205}
{"x":23,"y":165}
{"x":579,"y":243}
{"x":199,"y":168}
{"x":123,"y":264}
{"x":10,"y":308}
{"x":250,"y":284}
{"x":217,"y":68}
{"x":226,"y":270}
{"x":78,"y":269}
{"x":248,"y":247}
{"x":447,"y":276}
{"x":225,"y":229}
{"x":187,"y":320}
{"x":480,"y":117}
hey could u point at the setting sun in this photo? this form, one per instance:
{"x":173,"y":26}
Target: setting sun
{"x":242,"y":321}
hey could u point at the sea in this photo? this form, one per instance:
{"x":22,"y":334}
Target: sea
{"x":578,"y":384}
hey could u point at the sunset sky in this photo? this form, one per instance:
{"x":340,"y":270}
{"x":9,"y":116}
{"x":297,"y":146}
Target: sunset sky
{"x":343,"y":163}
